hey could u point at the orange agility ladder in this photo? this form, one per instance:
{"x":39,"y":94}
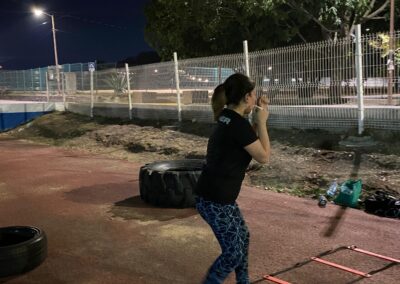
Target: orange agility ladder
{"x":272,"y":277}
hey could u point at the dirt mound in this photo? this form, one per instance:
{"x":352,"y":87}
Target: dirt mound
{"x":303,"y":163}
{"x":149,"y":139}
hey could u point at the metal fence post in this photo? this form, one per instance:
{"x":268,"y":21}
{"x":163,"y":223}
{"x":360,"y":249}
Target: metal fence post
{"x":246,"y":57}
{"x":82,"y":77}
{"x":129,"y":89}
{"x":91,"y":93}
{"x":178,"y":91}
{"x":359,"y":74}
{"x":32,"y":88}
{"x":47,"y":87}
{"x":16,"y":79}
{"x":96,"y":79}
{"x":23,"y":73}
{"x":40,"y":79}
{"x":62,"y":78}
{"x":391,"y":63}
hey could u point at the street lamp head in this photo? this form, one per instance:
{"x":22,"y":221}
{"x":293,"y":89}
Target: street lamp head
{"x":37,"y":12}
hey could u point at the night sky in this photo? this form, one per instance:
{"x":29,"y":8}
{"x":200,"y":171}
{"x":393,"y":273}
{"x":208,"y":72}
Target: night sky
{"x":88,"y":30}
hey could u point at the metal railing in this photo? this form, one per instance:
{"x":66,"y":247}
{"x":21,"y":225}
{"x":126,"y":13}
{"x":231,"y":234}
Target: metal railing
{"x":309,"y":86}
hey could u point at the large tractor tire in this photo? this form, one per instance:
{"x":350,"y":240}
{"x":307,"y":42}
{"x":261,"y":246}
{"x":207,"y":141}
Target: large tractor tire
{"x":21,"y":249}
{"x":170,"y":183}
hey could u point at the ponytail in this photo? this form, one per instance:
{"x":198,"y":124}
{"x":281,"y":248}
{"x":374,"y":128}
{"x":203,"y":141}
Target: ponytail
{"x":218,"y":100}
{"x":231,"y":92}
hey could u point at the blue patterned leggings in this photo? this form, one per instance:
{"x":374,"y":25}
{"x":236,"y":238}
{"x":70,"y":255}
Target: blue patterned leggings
{"x":231,"y":231}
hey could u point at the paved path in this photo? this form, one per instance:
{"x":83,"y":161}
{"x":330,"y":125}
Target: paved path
{"x":99,"y":231}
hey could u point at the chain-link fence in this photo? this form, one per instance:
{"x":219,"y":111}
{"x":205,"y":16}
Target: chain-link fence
{"x":309,"y":86}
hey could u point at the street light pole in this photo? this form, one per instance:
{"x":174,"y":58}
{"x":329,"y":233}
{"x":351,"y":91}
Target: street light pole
{"x":391,"y":57}
{"x":39,"y":12}
{"x":55,"y":54}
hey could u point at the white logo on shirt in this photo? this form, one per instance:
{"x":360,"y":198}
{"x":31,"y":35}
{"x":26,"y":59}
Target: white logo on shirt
{"x":224,"y":119}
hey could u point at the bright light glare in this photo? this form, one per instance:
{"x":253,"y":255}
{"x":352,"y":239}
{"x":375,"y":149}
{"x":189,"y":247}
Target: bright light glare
{"x":37,"y":12}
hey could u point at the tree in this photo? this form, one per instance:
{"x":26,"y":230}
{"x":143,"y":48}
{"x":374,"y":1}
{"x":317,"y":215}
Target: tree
{"x":382,"y":43}
{"x":338,"y":18}
{"x":196,"y":28}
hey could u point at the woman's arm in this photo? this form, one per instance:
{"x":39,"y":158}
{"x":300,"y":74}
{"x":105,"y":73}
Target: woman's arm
{"x":260,"y":149}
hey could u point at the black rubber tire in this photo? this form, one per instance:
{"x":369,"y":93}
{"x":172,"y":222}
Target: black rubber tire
{"x":22,"y":248}
{"x":170,"y":184}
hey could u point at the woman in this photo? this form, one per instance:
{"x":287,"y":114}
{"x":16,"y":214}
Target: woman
{"x":230,"y":149}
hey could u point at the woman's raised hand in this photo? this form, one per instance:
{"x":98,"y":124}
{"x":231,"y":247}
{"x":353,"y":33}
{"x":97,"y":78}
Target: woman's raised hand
{"x":262,"y":112}
{"x":262,"y":101}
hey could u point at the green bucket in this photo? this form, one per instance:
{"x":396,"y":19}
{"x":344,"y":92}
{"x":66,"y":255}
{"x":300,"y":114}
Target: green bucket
{"x":349,"y":193}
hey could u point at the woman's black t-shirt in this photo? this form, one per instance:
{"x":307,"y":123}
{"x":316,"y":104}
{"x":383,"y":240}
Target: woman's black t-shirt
{"x":227,"y":160}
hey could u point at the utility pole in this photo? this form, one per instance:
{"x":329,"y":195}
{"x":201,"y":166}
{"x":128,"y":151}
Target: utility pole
{"x":390,"y":65}
{"x":55,"y":53}
{"x":39,"y":12}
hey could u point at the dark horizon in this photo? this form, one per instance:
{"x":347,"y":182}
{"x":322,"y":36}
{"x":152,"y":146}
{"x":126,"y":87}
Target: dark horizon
{"x":86,"y":31}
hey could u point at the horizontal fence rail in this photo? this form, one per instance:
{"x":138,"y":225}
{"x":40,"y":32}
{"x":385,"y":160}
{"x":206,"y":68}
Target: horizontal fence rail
{"x":309,"y":86}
